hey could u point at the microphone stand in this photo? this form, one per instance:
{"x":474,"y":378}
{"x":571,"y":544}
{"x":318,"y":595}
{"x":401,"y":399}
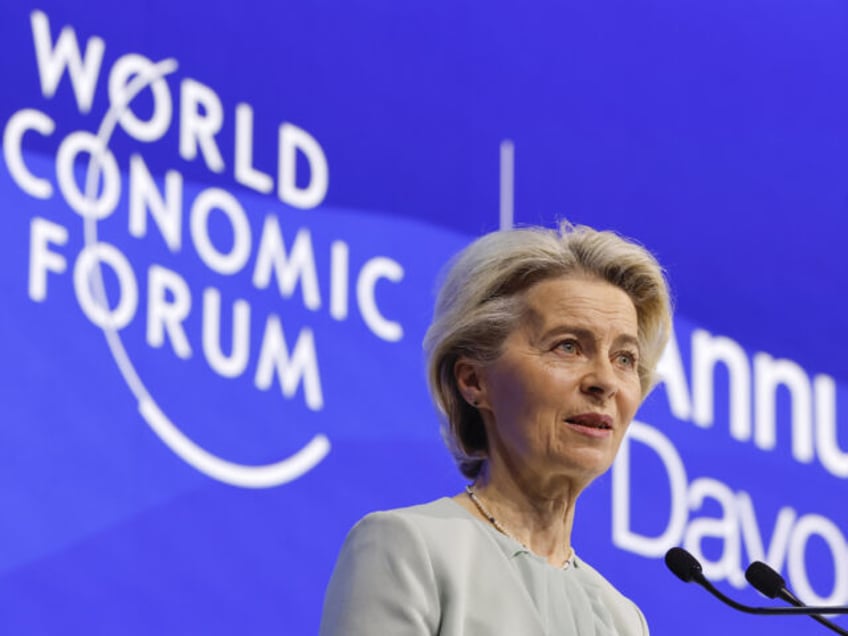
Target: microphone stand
{"x":687,"y":568}
{"x":769,"y":582}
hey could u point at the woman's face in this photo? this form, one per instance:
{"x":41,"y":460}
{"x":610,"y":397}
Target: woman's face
{"x":558,"y":400}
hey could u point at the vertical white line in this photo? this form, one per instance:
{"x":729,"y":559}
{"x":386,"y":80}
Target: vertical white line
{"x":507,"y":211}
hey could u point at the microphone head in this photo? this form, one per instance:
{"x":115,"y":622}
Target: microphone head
{"x":765,"y":579}
{"x":683,"y":564}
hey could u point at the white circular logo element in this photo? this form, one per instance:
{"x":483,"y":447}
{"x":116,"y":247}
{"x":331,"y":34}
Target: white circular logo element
{"x":247,"y":476}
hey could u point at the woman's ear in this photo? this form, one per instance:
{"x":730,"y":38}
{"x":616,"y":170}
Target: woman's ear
{"x":468,"y":378}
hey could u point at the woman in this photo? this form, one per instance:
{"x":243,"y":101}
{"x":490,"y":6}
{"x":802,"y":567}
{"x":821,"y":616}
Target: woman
{"x":542,"y":346}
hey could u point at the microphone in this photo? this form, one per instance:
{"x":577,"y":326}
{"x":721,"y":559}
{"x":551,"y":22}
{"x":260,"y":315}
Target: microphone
{"x":687,"y":569}
{"x":770,"y":583}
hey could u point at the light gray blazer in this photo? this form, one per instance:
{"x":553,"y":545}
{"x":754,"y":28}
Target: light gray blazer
{"x":436,"y":569}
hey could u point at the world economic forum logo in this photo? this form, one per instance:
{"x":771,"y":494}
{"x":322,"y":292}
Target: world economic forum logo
{"x":105,"y":282}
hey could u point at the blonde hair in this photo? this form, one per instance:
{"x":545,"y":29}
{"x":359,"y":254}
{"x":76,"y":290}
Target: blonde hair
{"x":480,"y":303}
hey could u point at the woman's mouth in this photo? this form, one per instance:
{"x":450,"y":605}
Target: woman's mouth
{"x":593,"y":424}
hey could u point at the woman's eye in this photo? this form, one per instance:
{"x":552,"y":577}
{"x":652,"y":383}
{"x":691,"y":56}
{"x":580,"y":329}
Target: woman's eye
{"x":627,"y":359}
{"x":569,"y":346}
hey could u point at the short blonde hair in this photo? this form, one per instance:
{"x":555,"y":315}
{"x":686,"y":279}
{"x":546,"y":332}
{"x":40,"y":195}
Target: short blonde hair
{"x":480,"y":304}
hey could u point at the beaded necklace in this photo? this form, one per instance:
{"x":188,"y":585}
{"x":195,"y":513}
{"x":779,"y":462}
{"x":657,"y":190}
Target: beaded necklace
{"x":497,"y":525}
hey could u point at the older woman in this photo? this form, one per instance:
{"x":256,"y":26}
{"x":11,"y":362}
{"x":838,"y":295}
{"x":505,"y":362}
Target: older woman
{"x":542,"y":346}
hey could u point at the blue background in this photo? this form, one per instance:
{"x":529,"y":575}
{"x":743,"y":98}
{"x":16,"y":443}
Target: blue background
{"x":713,"y":132}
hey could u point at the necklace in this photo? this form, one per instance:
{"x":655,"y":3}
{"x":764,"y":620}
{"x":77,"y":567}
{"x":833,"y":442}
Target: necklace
{"x":484,"y":511}
{"x":497,"y":525}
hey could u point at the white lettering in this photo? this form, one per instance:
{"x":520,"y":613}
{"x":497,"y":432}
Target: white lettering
{"x":52,"y":61}
{"x":724,"y":528}
{"x":201,"y":118}
{"x":41,"y":259}
{"x":164,"y":315}
{"x":622,"y":534}
{"x":123,"y":71}
{"x":301,"y":366}
{"x":752,"y":539}
{"x":144,"y":196}
{"x":375,"y":269}
{"x":806,"y":527}
{"x":233,"y":365}
{"x":292,"y":139}
{"x":768,"y":375}
{"x":300,"y":266}
{"x":18,"y":124}
{"x":707,"y":350}
{"x":89,"y":288}
{"x":670,"y":372}
{"x":245,"y":173}
{"x":222,"y":262}
{"x":97,"y":207}
{"x":832,"y":457}
{"x":339,"y":272}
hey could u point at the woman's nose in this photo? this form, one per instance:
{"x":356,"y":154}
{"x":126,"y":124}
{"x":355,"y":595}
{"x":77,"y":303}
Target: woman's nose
{"x":599,"y":379}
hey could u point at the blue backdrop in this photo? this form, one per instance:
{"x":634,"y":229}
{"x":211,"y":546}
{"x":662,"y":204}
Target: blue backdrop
{"x":222,"y":230}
